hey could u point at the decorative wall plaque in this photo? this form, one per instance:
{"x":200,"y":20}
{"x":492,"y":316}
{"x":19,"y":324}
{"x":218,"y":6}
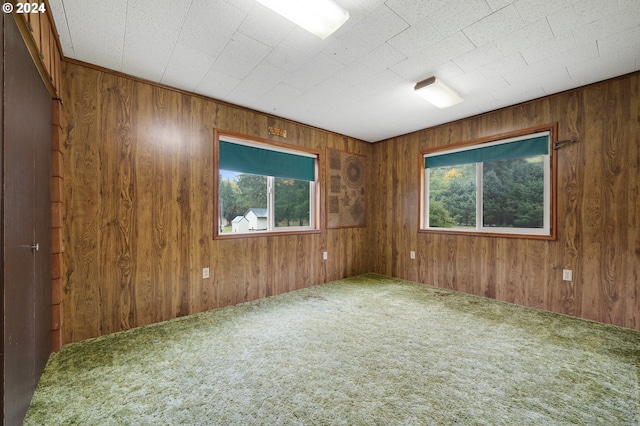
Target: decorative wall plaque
{"x":275,"y":131}
{"x":346,"y":189}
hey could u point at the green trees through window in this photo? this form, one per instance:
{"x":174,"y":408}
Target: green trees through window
{"x":512,"y":194}
{"x":241,"y":192}
{"x":265,"y":186}
{"x":497,"y":187}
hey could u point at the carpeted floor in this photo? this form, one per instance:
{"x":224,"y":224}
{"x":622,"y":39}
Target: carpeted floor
{"x":368,"y":350}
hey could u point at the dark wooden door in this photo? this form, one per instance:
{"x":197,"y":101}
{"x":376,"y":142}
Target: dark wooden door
{"x":26,"y":224}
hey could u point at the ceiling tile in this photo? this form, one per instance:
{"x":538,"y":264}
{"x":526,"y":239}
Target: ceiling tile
{"x":581,"y":13}
{"x":574,"y":56}
{"x":209,"y":26}
{"x":246,"y":5}
{"x":506,"y":64}
{"x":347,"y":49}
{"x":499,"y":4}
{"x":594,"y":70}
{"x":478,"y":57}
{"x":186,"y":68}
{"x":266,"y":26}
{"x":475,"y":83}
{"x":624,"y":42}
{"x":301,"y":40}
{"x":98,"y":35}
{"x":240,"y":56}
{"x":288,"y":59}
{"x":261,"y":80}
{"x":217,"y":85}
{"x":150,"y":39}
{"x":532,"y":34}
{"x":549,"y":48}
{"x":282,"y":93}
{"x":381,"y":25}
{"x":355,"y":73}
{"x":413,"y":11}
{"x":608,"y":25}
{"x":382,"y":57}
{"x":628,"y":5}
{"x":459,"y":14}
{"x":60,"y":18}
{"x":416,"y":38}
{"x":313,"y":72}
{"x":527,"y":72}
{"x":533,"y":10}
{"x":420,"y":65}
{"x":503,"y":22}
{"x":360,"y":80}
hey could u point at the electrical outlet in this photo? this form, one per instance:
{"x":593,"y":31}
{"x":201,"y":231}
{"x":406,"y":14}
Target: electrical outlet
{"x":325,"y":255}
{"x":567,"y":275}
{"x":412,"y":254}
{"x":205,"y":272}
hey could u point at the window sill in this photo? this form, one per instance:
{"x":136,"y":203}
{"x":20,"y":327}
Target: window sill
{"x":474,"y":233}
{"x":256,"y":234}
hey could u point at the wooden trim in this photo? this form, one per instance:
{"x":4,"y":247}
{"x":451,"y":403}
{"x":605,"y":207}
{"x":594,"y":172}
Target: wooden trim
{"x":41,"y":38}
{"x":498,"y":137}
{"x":267,"y":142}
{"x":552,"y":128}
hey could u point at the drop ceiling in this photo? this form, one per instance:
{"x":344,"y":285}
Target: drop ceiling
{"x":359,"y":81}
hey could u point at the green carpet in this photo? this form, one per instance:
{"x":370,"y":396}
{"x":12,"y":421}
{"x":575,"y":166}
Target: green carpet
{"x":368,"y":350}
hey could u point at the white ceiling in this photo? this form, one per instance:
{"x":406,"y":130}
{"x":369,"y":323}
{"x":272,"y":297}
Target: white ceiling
{"x":359,"y":81}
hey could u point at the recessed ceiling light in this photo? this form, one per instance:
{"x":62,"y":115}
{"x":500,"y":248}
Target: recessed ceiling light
{"x":438,"y":93}
{"x":320,"y":17}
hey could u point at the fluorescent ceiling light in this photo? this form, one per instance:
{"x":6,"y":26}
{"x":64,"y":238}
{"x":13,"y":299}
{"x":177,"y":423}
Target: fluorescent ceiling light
{"x":320,"y":17}
{"x":438,"y":93}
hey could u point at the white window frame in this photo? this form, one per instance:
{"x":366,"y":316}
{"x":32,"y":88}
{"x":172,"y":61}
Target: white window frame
{"x":548,"y":229}
{"x":314,"y":191}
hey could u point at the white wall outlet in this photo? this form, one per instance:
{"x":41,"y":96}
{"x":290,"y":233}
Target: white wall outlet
{"x":412,"y":254}
{"x":567,"y":275}
{"x":205,"y":272}
{"x":325,"y":255}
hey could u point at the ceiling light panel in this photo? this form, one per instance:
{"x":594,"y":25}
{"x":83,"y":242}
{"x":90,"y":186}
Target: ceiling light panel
{"x":320,"y":17}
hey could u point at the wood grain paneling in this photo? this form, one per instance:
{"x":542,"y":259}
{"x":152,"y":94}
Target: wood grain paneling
{"x":138,"y":211}
{"x":597,"y":207}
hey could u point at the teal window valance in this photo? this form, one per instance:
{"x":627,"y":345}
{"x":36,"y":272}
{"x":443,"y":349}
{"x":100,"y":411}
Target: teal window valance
{"x":262,"y":161}
{"x":529,"y":147}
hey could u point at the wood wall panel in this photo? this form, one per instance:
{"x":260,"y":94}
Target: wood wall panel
{"x":597,"y":208}
{"x":138,"y":211}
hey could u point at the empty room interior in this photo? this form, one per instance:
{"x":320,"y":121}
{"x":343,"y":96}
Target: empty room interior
{"x":223,"y":212}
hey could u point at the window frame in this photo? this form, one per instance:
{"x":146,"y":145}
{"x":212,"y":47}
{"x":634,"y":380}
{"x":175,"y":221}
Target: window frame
{"x":479,"y":230}
{"x":314,"y":194}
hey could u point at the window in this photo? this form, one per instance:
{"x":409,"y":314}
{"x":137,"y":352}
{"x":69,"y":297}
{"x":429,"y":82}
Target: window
{"x":265,"y":188}
{"x":503,"y":186}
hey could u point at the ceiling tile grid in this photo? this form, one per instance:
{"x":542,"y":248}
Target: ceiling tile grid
{"x":359,"y":81}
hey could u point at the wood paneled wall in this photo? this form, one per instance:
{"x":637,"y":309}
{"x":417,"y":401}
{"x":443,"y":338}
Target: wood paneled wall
{"x":598,"y":211}
{"x":138,"y":210}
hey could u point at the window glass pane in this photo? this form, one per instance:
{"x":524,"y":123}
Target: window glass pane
{"x":452,"y":196}
{"x":243,"y":202}
{"x":513,"y":193}
{"x":291,"y":203}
